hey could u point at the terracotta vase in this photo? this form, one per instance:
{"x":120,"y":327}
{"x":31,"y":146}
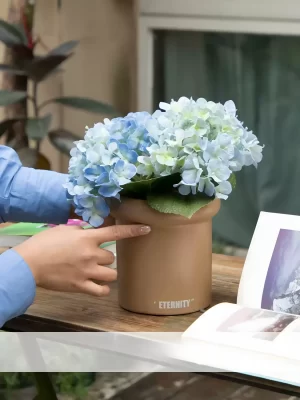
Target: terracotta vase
{"x":169,"y":271}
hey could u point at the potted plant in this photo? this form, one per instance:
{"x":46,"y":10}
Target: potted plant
{"x":168,"y":170}
{"x":24,"y":132}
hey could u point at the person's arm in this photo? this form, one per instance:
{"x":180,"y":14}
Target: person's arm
{"x":17,"y":286}
{"x":55,"y":260}
{"x":29,"y":195}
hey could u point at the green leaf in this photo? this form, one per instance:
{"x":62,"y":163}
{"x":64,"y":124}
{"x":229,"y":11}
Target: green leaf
{"x":7,"y":97}
{"x":185,"y":206}
{"x":143,"y":188}
{"x":11,"y":35}
{"x":85,"y":104}
{"x":232,"y":180}
{"x":5,"y":125}
{"x":64,"y":49}
{"x":12,"y":69}
{"x":38,"y":128}
{"x":41,"y":67}
{"x":21,"y":32}
{"x":62,"y":140}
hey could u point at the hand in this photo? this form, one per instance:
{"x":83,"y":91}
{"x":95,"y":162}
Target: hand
{"x":68,"y":258}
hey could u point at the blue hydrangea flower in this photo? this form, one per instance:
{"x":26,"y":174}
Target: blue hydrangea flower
{"x":202,"y":141}
{"x":104,"y":162}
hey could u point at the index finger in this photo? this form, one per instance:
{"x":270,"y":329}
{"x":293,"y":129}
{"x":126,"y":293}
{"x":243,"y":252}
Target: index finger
{"x":118,"y":232}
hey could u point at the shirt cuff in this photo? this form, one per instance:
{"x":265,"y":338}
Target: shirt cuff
{"x":42,"y":198}
{"x":17,"y":286}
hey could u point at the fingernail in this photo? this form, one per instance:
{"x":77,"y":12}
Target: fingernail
{"x":145,"y":229}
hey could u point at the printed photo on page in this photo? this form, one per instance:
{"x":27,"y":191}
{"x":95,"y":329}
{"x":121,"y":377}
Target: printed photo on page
{"x":271,"y":274}
{"x":254,"y":330}
{"x":258,"y":324}
{"x":282,"y":285}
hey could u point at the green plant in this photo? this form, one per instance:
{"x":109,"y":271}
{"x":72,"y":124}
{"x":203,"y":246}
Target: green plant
{"x":23,"y":131}
{"x":72,"y":383}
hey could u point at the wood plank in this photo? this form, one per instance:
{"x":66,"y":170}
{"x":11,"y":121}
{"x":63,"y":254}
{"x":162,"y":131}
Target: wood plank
{"x":190,"y":386}
{"x":158,"y":386}
{"x":68,"y":311}
{"x":263,"y":384}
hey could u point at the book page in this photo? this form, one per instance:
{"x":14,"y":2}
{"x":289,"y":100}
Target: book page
{"x":271,"y":274}
{"x":255,"y":330}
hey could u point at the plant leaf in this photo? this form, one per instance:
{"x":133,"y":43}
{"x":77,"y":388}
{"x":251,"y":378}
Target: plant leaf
{"x":6,"y":124}
{"x":185,"y":206}
{"x":38,"y":128}
{"x":12,"y":69}
{"x":62,"y":140}
{"x":40,"y":67}
{"x":22,"y":34}
{"x":143,"y":188}
{"x":7,"y":97}
{"x":85,"y":104}
{"x":232,"y":180}
{"x":64,"y":49}
{"x":11,"y":34}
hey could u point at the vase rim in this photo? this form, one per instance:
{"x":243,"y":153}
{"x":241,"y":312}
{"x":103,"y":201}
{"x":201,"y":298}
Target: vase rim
{"x":138,"y":211}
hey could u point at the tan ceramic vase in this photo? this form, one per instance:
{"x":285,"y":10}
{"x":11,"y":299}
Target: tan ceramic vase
{"x":169,"y":271}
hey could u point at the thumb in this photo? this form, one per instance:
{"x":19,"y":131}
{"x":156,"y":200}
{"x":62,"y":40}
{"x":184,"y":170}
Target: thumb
{"x":118,"y":232}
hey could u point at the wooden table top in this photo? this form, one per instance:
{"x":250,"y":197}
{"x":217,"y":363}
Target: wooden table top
{"x":53,"y":311}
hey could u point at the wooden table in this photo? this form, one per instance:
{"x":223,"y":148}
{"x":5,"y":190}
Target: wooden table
{"x":64,"y":312}
{"x":53,"y":311}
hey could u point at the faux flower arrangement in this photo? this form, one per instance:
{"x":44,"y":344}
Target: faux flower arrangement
{"x":178,"y":159}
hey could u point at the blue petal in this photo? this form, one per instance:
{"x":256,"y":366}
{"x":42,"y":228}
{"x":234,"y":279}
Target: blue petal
{"x":209,"y":188}
{"x":130,"y":171}
{"x":91,"y":172}
{"x":113,"y":178}
{"x":119,"y":166}
{"x":184,"y":190}
{"x":109,"y":190}
{"x":96,"y":220}
{"x":190,"y":176}
{"x":130,"y":155}
{"x":85,"y":201}
{"x":133,"y":143}
{"x":79,"y":211}
{"x":102,"y":178}
{"x":86,"y":215}
{"x":101,"y":206}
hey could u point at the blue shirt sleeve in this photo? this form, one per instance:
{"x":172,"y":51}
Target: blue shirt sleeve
{"x":29,"y":195}
{"x":26,"y":195}
{"x":17,"y":286}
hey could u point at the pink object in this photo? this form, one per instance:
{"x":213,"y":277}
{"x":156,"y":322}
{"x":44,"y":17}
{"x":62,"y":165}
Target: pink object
{"x":71,"y":222}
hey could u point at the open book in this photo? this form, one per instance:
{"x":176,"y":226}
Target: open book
{"x":260,"y":335}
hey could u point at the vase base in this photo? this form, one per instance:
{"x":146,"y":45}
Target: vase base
{"x":166,"y":313}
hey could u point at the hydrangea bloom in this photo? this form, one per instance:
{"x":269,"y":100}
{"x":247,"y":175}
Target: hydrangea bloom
{"x":201,"y":140}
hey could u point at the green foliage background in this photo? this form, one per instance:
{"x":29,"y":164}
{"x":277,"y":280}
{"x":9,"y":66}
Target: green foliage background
{"x":72,"y":383}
